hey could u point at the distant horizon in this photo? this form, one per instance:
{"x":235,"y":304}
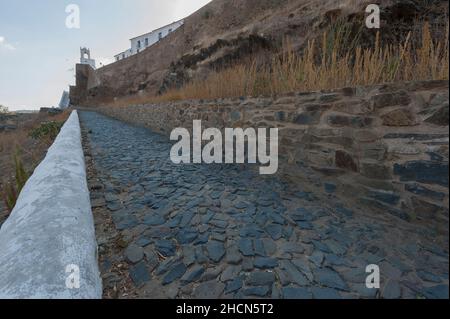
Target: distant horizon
{"x":38,"y":52}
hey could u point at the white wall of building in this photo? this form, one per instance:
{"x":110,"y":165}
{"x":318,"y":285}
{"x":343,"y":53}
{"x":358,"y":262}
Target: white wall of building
{"x":122,"y":55}
{"x":140,"y":43}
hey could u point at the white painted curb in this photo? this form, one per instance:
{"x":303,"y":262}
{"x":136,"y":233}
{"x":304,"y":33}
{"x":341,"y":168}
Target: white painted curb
{"x":51,"y":228}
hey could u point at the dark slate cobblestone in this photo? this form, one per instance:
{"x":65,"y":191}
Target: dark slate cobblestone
{"x":213,"y":231}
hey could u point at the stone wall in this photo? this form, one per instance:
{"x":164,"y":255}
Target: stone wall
{"x":385,"y":146}
{"x":86,"y":79}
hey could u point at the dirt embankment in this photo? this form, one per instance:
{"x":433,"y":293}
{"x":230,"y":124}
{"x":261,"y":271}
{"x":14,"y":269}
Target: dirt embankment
{"x":225,"y":32}
{"x":16,"y":139}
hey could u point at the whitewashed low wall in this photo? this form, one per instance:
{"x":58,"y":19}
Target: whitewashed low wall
{"x":50,"y":234}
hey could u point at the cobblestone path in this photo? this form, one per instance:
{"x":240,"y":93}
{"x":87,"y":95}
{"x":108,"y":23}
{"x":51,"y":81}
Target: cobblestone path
{"x":223,"y":231}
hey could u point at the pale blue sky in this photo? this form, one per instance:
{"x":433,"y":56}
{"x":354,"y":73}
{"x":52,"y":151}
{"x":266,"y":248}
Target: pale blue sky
{"x":38,"y":53}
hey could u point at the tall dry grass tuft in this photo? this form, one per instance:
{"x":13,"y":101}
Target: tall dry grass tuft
{"x":335,"y":62}
{"x":22,"y":149}
{"x":13,"y":189}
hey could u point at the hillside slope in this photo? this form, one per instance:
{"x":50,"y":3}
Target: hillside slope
{"x":226,"y":31}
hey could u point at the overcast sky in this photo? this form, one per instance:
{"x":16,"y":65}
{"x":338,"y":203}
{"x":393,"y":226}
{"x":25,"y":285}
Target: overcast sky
{"x":38,"y":52}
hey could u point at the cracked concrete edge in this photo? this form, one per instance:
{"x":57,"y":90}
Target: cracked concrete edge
{"x":52,"y":228}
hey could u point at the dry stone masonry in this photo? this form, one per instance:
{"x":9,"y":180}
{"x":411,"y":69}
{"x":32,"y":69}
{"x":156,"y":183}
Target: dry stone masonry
{"x":385,"y":146}
{"x":224,"y":231}
{"x":363,"y":180}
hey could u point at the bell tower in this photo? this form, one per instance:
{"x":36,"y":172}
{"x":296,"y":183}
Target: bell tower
{"x":85,"y":57}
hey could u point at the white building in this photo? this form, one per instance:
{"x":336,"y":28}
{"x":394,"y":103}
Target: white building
{"x":86,"y":57}
{"x":65,"y":100}
{"x":123,"y":55}
{"x":140,"y":43}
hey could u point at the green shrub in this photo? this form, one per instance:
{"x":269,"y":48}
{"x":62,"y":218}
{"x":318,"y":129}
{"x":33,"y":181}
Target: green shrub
{"x":47,"y":130}
{"x":3,"y":109}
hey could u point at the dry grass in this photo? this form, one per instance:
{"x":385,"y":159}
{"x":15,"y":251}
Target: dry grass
{"x":17,"y":145}
{"x":335,"y":62}
{"x":20,"y":140}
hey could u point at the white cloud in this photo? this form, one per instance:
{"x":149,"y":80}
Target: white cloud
{"x":6,"y":45}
